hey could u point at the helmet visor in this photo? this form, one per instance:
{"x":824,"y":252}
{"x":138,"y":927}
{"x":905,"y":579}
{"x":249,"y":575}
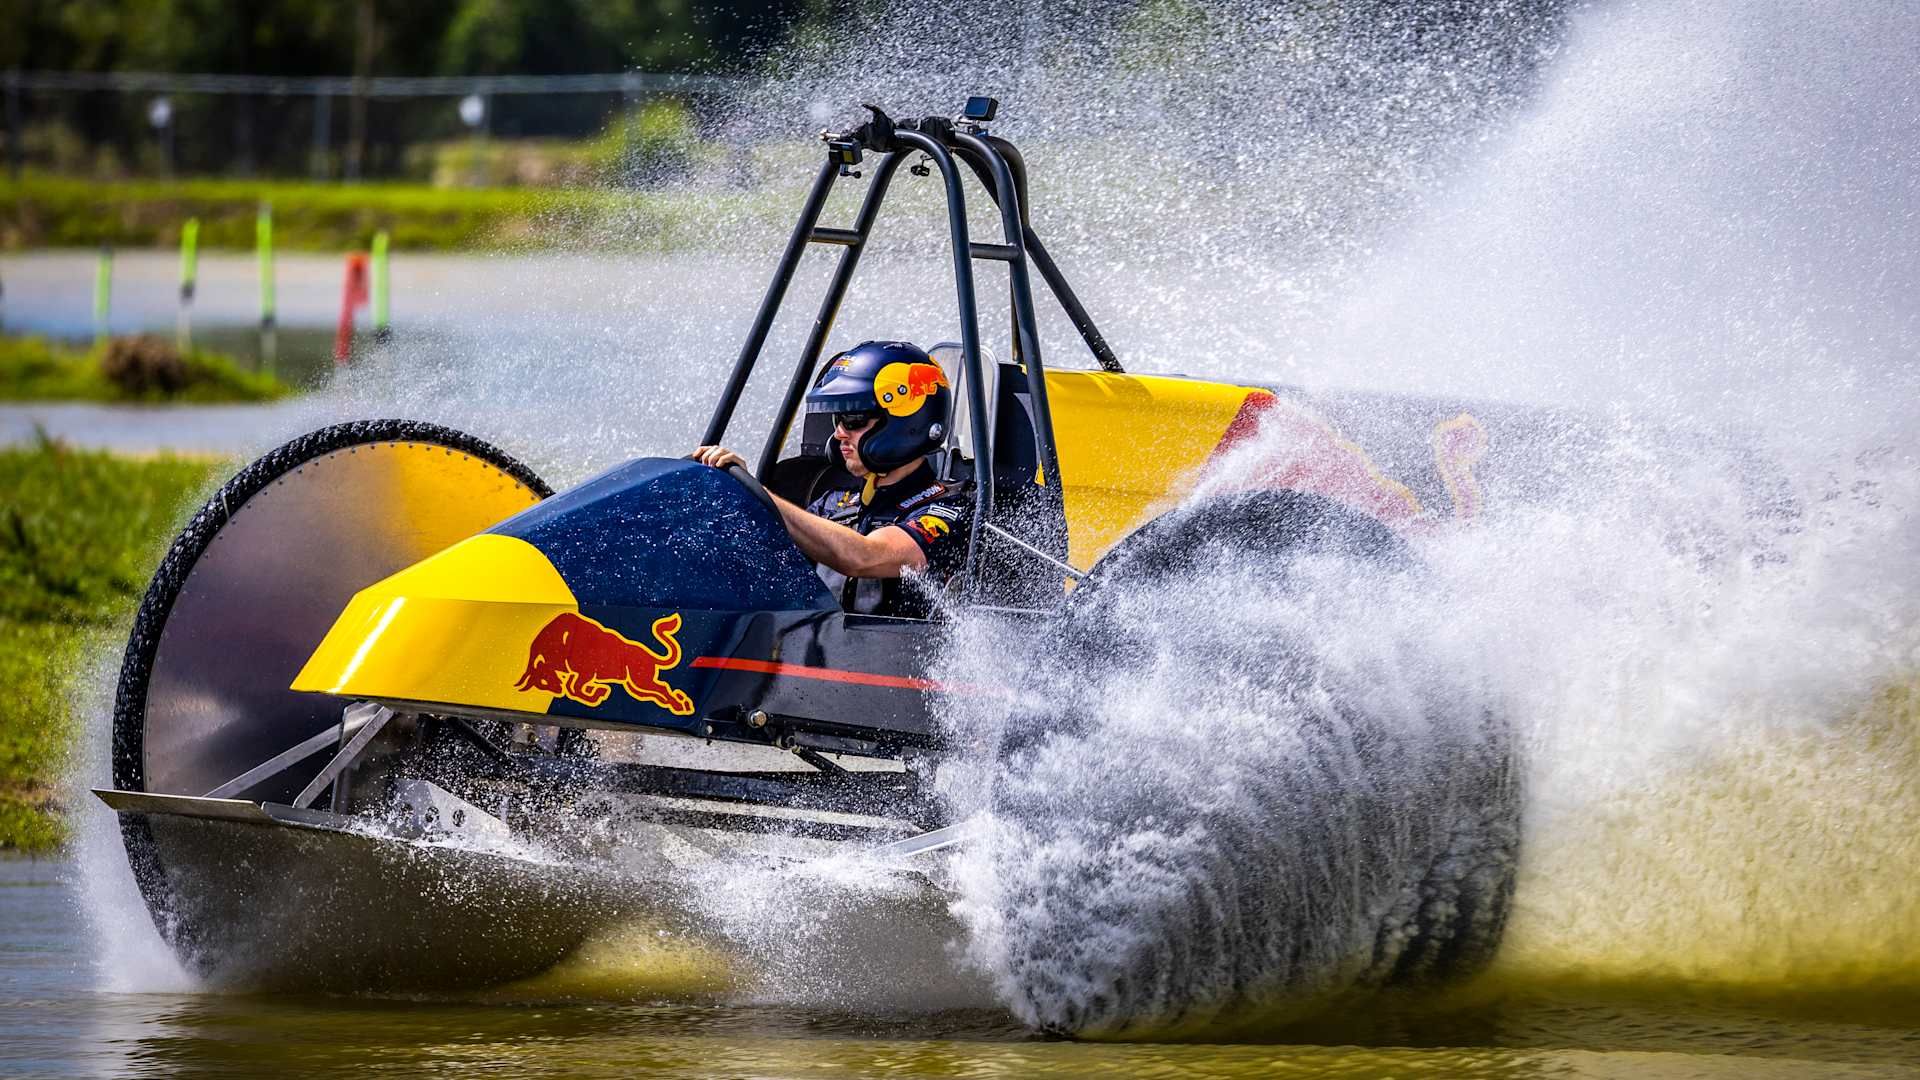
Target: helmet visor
{"x":855,"y":419}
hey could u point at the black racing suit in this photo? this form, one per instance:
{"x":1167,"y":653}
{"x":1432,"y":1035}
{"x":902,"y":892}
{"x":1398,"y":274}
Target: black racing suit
{"x":937,"y":515}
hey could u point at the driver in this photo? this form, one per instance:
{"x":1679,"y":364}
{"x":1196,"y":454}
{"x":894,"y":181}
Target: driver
{"x":892,"y":406}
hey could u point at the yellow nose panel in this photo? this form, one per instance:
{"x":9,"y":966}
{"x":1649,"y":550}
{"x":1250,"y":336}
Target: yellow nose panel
{"x":453,"y":628}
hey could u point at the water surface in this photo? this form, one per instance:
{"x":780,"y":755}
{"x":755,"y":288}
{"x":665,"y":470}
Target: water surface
{"x":55,"y":1021}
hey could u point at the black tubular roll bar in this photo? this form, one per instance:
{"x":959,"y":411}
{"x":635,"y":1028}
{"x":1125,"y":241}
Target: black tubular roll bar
{"x":852,"y":242}
{"x":1001,"y":171}
{"x":969,"y":332}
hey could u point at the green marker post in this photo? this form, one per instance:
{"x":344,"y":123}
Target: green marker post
{"x":189,"y":273}
{"x":102,"y":294}
{"x":263,"y":247}
{"x":381,"y":330}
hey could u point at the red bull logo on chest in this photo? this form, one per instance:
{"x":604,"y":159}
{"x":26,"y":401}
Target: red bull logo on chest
{"x":581,"y":660}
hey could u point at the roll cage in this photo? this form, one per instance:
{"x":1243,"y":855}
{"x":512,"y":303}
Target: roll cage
{"x":1001,"y":171}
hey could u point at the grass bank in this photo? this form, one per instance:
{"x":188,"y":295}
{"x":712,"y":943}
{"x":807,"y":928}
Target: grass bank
{"x":127,"y":370}
{"x":48,"y":211}
{"x":79,"y":536}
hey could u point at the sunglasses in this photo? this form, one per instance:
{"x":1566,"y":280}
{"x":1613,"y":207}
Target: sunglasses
{"x":851,"y":422}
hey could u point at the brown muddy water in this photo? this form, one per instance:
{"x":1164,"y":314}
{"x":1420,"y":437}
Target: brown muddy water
{"x":56,"y":1020}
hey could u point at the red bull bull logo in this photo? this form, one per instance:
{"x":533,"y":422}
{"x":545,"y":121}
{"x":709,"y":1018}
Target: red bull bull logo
{"x":1302,"y":451}
{"x":579,"y":659}
{"x":1458,"y":445}
{"x":902,"y":388}
{"x":1311,"y":455}
{"x":932,"y":526}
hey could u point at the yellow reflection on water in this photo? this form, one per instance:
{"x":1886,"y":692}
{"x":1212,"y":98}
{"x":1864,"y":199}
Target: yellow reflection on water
{"x":1651,"y":1038}
{"x":635,"y":961}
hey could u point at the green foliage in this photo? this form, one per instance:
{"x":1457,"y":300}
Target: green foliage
{"x":469,"y":162}
{"x":43,"y":211}
{"x":489,"y":37}
{"x":321,"y":37}
{"x":35,"y":369}
{"x":656,"y":141}
{"x":36,"y":731}
{"x":79,"y":536}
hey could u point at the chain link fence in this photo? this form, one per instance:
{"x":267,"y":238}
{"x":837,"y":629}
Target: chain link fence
{"x":450,"y":130}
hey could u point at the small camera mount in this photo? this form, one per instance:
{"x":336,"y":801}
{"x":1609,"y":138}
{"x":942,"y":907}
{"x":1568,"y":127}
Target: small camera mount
{"x":845,"y":152}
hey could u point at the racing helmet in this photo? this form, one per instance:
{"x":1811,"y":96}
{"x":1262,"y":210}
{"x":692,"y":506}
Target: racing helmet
{"x":900,"y":387}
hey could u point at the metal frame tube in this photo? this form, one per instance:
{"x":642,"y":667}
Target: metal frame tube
{"x":1029,"y":331}
{"x":1002,"y":172}
{"x":829,"y":310}
{"x":770,"y":305}
{"x":969,"y":333}
{"x":1070,"y":303}
{"x":1050,"y":273}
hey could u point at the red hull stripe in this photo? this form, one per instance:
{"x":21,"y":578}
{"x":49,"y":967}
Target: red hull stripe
{"x":801,"y":671}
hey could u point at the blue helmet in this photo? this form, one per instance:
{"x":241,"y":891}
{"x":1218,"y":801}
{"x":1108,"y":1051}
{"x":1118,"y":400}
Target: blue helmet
{"x":900,"y":387}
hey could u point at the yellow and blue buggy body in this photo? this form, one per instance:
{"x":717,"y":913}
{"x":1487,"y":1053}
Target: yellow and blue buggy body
{"x":661,"y":593}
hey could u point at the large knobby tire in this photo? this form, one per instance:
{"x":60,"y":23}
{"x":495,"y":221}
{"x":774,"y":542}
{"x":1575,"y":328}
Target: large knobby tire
{"x":1115,"y":751}
{"x":1268,"y":526}
{"x":253,"y":583}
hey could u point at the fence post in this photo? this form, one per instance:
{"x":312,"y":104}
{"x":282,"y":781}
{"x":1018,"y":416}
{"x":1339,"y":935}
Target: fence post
{"x":15,"y":137}
{"x":322,"y":133}
{"x":263,"y":247}
{"x":353,"y":294}
{"x":189,"y":271}
{"x":102,"y":294}
{"x":381,"y":330}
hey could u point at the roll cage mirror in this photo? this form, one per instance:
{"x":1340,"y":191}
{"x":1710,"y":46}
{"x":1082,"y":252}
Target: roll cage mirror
{"x":998,"y":167}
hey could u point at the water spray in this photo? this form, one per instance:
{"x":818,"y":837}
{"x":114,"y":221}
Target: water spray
{"x":1689,"y":629}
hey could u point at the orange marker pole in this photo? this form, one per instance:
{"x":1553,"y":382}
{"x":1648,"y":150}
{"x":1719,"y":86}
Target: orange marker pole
{"x":353,"y":294}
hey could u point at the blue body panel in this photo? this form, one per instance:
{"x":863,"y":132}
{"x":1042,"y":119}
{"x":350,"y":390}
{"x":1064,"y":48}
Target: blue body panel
{"x":660,"y":537}
{"x":671,"y":534}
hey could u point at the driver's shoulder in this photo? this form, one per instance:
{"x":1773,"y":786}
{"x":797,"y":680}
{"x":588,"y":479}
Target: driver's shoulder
{"x":835,"y":502}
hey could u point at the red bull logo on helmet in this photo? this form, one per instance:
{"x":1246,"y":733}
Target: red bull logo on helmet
{"x":902,"y":388}
{"x":581,"y":660}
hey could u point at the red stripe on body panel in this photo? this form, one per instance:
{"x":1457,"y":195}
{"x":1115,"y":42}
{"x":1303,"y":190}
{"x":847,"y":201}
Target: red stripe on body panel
{"x":802,"y":671}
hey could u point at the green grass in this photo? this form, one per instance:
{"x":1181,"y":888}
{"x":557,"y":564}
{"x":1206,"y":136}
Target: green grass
{"x":48,"y":211}
{"x":80,"y":533}
{"x":35,"y":369}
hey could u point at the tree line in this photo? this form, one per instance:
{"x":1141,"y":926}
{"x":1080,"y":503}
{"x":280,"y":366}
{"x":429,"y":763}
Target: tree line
{"x":393,"y":37}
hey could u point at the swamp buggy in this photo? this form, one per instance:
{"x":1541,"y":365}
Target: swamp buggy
{"x":366,"y":726}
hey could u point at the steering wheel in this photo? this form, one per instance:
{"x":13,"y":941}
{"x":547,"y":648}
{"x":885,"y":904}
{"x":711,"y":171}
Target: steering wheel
{"x":754,"y":487}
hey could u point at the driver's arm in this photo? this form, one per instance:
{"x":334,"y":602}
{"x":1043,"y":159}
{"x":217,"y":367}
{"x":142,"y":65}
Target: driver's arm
{"x":883,"y":553}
